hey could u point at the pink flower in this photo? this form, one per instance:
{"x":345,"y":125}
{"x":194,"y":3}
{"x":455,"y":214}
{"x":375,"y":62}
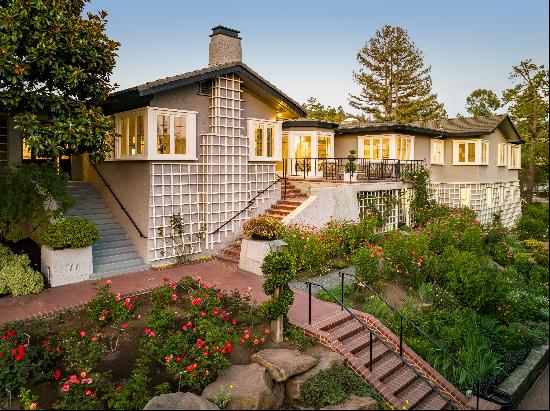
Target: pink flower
{"x":234,"y":321}
{"x":203,"y":313}
{"x":174,"y":297}
{"x":266,"y":331}
{"x":117,"y":298}
{"x":125,"y":325}
{"x":263,"y":339}
{"x":198,"y":279}
{"x":33,"y":406}
{"x":83,"y":333}
{"x":66,"y":387}
{"x":256,"y":342}
{"x":89,"y":381}
{"x":83,"y":374}
{"x":88,"y":392}
{"x":206,"y":372}
{"x":172,"y":285}
{"x":94,"y":338}
{"x":102,"y":318}
{"x":109,"y":282}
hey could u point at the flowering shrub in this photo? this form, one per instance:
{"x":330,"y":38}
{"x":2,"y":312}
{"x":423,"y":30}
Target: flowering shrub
{"x":16,"y":276}
{"x":369,"y":263}
{"x":307,"y":248}
{"x":82,"y":350}
{"x":109,"y":308}
{"x":406,"y":256}
{"x":458,"y":229}
{"x":263,"y":228}
{"x":342,"y":238}
{"x":82,"y":392}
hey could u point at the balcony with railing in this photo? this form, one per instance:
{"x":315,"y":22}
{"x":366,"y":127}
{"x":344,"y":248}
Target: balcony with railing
{"x":340,"y":169}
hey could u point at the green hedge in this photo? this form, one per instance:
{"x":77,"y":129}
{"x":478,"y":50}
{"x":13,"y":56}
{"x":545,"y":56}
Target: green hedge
{"x":16,"y":276}
{"x":70,"y":233}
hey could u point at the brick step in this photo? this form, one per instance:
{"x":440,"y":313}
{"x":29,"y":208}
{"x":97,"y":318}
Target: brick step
{"x":433,"y":402}
{"x":329,"y":322}
{"x":415,"y":393}
{"x":387,"y":365}
{"x":293,"y":201}
{"x":400,"y":379}
{"x":227,"y":259}
{"x":346,"y":330}
{"x":232,"y":252}
{"x":286,"y":206}
{"x":278,"y":211}
{"x":379,"y":350}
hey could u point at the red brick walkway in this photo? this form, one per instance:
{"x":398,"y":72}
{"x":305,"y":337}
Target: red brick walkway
{"x":227,"y":277}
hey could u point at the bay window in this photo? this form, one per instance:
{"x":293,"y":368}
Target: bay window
{"x":265,"y":139}
{"x":470,"y":152}
{"x":437,"y":151}
{"x":156,"y":134}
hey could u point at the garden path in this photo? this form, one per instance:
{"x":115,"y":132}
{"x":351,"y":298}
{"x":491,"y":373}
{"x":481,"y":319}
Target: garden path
{"x":72,"y":296}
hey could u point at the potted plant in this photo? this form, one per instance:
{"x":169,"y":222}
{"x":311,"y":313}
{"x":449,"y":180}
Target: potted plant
{"x":263,"y":235}
{"x":350,"y":167}
{"x":67,"y":250}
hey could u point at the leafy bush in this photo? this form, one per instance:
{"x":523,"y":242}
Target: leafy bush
{"x":279,"y":271}
{"x":538,"y":250}
{"x":263,"y":228}
{"x":333,"y":386}
{"x":28,"y":195}
{"x":369,"y":263}
{"x":16,"y":276}
{"x":343,"y":237}
{"x":73,"y":232}
{"x":473,"y":280}
{"x":533,"y":222}
{"x":83,"y":391}
{"x":82,"y":350}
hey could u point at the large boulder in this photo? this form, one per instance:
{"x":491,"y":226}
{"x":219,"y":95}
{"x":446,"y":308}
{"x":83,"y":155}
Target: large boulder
{"x":294,"y":384}
{"x":253,"y":388}
{"x":355,"y":403}
{"x":282,"y":363}
{"x":180,"y":401}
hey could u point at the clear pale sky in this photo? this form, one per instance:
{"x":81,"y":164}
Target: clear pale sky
{"x":309,"y":48}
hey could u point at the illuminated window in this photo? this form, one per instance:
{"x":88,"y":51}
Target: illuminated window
{"x":180,"y":146}
{"x":514,"y":156}
{"x":163,"y":134}
{"x":470,"y":152}
{"x":323,"y":147}
{"x":438,"y":152}
{"x":404,"y":148}
{"x":259,"y":141}
{"x":269,"y":146}
{"x":124,"y":137}
{"x":382,"y":148}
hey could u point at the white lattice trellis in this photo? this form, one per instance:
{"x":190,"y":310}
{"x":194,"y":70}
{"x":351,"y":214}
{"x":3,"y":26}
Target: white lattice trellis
{"x":380,"y":200}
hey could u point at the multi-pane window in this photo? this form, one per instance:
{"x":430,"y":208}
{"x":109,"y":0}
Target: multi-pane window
{"x":403,"y":147}
{"x":438,"y":152}
{"x":502,"y":154}
{"x":180,"y":146}
{"x":163,"y":134}
{"x":265,"y":139}
{"x":323,"y":147}
{"x":155,"y":133}
{"x":376,"y":148}
{"x":470,"y":152}
{"x":515,"y":156}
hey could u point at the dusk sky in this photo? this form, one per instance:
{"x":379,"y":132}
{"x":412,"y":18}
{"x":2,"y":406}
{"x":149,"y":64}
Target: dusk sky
{"x":309,"y":48}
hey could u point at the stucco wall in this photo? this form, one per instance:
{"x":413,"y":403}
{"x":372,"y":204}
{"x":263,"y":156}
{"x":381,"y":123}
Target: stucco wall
{"x":486,"y":174}
{"x":255,"y":108}
{"x":130,"y":181}
{"x":343,"y":144}
{"x":186,"y":98}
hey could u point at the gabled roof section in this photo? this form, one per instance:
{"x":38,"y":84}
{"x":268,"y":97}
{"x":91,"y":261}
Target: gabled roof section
{"x":453,"y":127}
{"x":252,"y":80}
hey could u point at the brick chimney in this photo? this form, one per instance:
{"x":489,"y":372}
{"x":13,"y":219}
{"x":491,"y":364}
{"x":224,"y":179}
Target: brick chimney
{"x":225,"y":46}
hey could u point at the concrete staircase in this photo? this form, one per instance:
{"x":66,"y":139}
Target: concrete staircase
{"x":281,"y":209}
{"x":113,"y":253}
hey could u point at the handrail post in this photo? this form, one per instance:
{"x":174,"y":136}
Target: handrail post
{"x":401,"y":336}
{"x":370,"y":351}
{"x":309,"y":303}
{"x":342,"y":290}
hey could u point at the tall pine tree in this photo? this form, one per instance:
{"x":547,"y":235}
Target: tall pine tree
{"x":396,"y":86}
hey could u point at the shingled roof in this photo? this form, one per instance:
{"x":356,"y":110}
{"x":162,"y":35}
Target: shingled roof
{"x":246,"y":73}
{"x":453,"y":127}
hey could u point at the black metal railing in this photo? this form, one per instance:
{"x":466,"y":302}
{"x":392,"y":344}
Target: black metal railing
{"x":372,"y":333}
{"x":251,"y":201}
{"x":340,"y":168}
{"x":118,"y":201}
{"x":481,"y":389}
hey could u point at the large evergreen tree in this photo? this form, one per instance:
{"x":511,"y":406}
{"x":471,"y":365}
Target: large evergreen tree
{"x":55,"y":66}
{"x":528,"y":108}
{"x":315,"y":109}
{"x":482,"y":102}
{"x":396,"y":85}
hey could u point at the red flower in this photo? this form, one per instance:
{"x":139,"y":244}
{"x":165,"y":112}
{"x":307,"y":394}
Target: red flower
{"x":206,"y":372}
{"x":234,"y":321}
{"x":57,"y":374}
{"x":256,"y":342}
{"x":66,"y":387}
{"x":174,"y":297}
{"x":125,"y":325}
{"x":203,"y":313}
{"x":83,"y":333}
{"x":88,"y":392}
{"x":178,"y":358}
{"x":1,"y":354}
{"x":118,"y":387}
{"x":136,"y":299}
{"x":164,"y":278}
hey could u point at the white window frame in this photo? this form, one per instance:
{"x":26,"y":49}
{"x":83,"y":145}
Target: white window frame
{"x":434,"y":160}
{"x":502,"y":149}
{"x":393,"y":146}
{"x":477,"y":153}
{"x":252,"y":124}
{"x":150,"y":134}
{"x":514,"y":147}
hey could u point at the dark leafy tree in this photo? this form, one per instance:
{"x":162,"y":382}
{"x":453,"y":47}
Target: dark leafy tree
{"x":395,"y":83}
{"x":319,"y":111}
{"x":482,"y":102}
{"x":528,"y":108}
{"x":55,"y":66}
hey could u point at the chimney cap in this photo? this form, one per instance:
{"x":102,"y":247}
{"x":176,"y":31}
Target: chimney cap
{"x":225,"y":30}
